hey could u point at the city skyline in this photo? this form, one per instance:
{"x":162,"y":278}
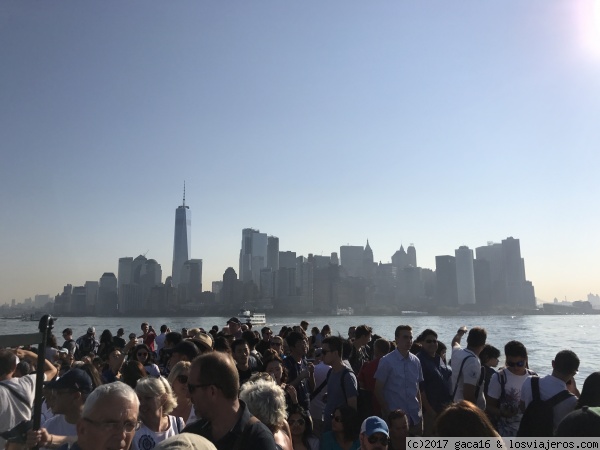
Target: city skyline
{"x":440,"y":125}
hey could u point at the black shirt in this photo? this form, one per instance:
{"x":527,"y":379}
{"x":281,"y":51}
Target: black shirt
{"x":245,"y":434}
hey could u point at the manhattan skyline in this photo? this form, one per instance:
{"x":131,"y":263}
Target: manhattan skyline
{"x":325,"y":125}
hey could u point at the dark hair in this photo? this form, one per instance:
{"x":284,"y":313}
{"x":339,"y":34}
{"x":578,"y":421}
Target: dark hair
{"x":400,"y":328}
{"x":67,"y":331}
{"x":396,"y":414}
{"x":477,"y":337}
{"x":382,"y":346}
{"x":23,"y":368}
{"x":92,"y":371}
{"x":488,"y":352}
{"x":514,"y":348}
{"x":336,"y":344}
{"x":303,"y":322}
{"x":106,"y":337}
{"x":441,"y":348}
{"x":264,"y":330}
{"x":237,"y":343}
{"x":8,"y":362}
{"x":463,"y":419}
{"x":362,"y":330}
{"x":51,"y":341}
{"x":173,"y":337}
{"x":222,"y":345}
{"x":293,"y":338}
{"x":566,"y":362}
{"x":425,"y":333}
{"x":314,"y":330}
{"x":350,"y":422}
{"x":250,"y":338}
{"x":163,"y":328}
{"x":219,"y":370}
{"x":149,"y":359}
{"x":325,"y":328}
{"x":590,"y":392}
{"x":274,"y":356}
{"x":131,"y":371}
{"x":308,"y":423}
{"x":416,"y":348}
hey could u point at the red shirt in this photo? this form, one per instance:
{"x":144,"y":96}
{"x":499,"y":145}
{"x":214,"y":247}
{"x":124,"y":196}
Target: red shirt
{"x":366,"y":380}
{"x":149,"y":339}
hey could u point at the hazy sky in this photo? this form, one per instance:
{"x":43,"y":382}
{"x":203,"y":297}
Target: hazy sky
{"x":323,"y":123}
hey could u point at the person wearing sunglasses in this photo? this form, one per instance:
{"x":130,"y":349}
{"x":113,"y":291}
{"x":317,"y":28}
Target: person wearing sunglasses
{"x":344,"y":430}
{"x":178,"y":379}
{"x":301,"y":429}
{"x":143,"y":354}
{"x":374,"y":434}
{"x":504,"y":392}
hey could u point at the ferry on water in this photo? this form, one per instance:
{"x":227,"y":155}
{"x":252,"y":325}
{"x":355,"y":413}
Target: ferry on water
{"x":344,"y":311}
{"x":246,"y":316}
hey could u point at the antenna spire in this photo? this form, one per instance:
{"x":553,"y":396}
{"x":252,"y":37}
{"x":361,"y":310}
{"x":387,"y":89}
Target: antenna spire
{"x":183,"y":192}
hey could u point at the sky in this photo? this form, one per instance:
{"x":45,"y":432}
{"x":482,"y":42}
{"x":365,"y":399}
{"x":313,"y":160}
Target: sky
{"x":439,"y":124}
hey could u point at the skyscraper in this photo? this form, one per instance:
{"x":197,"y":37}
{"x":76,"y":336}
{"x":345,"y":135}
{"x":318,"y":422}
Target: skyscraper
{"x":253,"y":255}
{"x":182,"y":241}
{"x":465,"y":275}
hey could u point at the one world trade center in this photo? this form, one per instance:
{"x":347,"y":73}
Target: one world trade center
{"x":182,"y":241}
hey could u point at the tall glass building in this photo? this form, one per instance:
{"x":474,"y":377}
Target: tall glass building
{"x":182,"y":241}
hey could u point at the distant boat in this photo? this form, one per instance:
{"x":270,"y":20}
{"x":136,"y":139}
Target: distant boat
{"x":344,"y":312}
{"x":415,"y":313}
{"x":246,"y":316}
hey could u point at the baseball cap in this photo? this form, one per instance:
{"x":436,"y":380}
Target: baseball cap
{"x":234,"y":320}
{"x":582,"y":422}
{"x":91,"y":330}
{"x":75,"y":379}
{"x":374,"y":424}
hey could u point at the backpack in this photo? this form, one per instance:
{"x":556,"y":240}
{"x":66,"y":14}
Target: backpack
{"x":538,"y":418}
{"x":502,"y":379}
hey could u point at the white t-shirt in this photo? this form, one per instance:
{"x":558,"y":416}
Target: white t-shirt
{"x":12,"y":410}
{"x":58,"y":426}
{"x":146,"y":439}
{"x":549,"y":387}
{"x":471,"y":373}
{"x":508,"y":426}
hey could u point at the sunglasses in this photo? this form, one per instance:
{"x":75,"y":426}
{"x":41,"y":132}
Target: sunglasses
{"x":336,"y":418}
{"x":183,"y":379}
{"x":142,"y":354}
{"x":383,"y":440}
{"x":431,"y":341}
{"x":515,"y":364}
{"x":296,"y":421}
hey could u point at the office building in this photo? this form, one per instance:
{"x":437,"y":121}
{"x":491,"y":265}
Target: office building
{"x":253,"y":255}
{"x":351,"y":259}
{"x":465,"y":277}
{"x":182,"y":240}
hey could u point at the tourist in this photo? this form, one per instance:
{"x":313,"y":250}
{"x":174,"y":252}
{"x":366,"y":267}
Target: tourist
{"x":300,"y":371}
{"x":235,"y":327}
{"x":301,"y":430}
{"x":277,"y":344}
{"x":178,"y":378}
{"x":318,"y":396}
{"x":106,"y":345}
{"x":342,"y":387}
{"x":564,"y":368}
{"x":118,"y":340}
{"x":467,"y":376}
{"x":374,"y":434}
{"x":156,"y":404}
{"x":398,"y":424}
{"x":69,"y":343}
{"x":343,"y":434}
{"x":366,"y":376}
{"x":590,"y":392}
{"x":397,"y":381}
{"x":131,"y":372}
{"x":144,"y":355}
{"x":489,"y":357}
{"x":87,"y":344}
{"x":17,"y":394}
{"x":504,"y":393}
{"x":266,"y":401}
{"x":463,"y":419}
{"x":160,"y":339}
{"x":436,"y":386}
{"x":214,"y":384}
{"x":265,"y":342}
{"x":148,"y":335}
{"x":360,"y":354}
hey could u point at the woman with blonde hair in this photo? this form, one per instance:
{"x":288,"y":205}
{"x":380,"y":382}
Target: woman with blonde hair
{"x":178,"y":379}
{"x":266,"y":400}
{"x":157,"y":401}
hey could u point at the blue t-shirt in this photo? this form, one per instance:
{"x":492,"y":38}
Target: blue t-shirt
{"x":336,"y":396}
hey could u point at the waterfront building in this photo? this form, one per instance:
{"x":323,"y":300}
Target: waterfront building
{"x":465,"y":277}
{"x":107,"y":304}
{"x":253,"y":255}
{"x":367,"y":262}
{"x":351,"y":258}
{"x":91,"y":297}
{"x":287,"y":260}
{"x":190,"y":287}
{"x":273,"y":253}
{"x":445,"y":275}
{"x":182,"y":240}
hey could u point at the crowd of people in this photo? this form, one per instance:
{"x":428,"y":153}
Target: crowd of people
{"x":299,"y":389}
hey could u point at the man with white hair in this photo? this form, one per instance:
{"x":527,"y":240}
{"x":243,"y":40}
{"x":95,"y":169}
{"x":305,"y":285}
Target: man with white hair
{"x":109,"y":419}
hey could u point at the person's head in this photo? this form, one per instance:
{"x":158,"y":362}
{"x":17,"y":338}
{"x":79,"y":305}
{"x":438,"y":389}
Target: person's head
{"x":67,"y":334}
{"x":277,"y":344}
{"x":234,"y":325}
{"x":109,"y":418}
{"x":265,"y":400}
{"x":70,"y":391}
{"x":172,"y":339}
{"x":441,"y":350}
{"x":115,"y":360}
{"x":142,"y":353}
{"x":584,"y":422}
{"x":374,"y":434}
{"x":332,"y":348}
{"x":120,"y":332}
{"x":404,"y":338}
{"x":203,"y":341}
{"x":106,"y":337}
{"x":297,"y":343}
{"x":156,"y":398}
{"x":266,"y":333}
{"x":250,"y":339}
{"x":222,"y":345}
{"x":8,"y":364}
{"x":381,"y":347}
{"x":362,"y":334}
{"x":590,"y":392}
{"x":91,"y":332}
{"x":516,"y":357}
{"x":326,"y":330}
{"x":300,"y":423}
{"x":23,"y":368}
{"x":344,"y":419}
{"x":429,"y":342}
{"x":184,"y":351}
{"x":351,"y":331}
{"x":94,"y":374}
{"x":145,"y":327}
{"x":132,"y":371}
{"x":314,"y":331}
{"x":489,"y":356}
{"x":565,"y":364}
{"x":304,"y":325}
{"x":163,"y":328}
{"x":178,"y":379}
{"x":241,"y":353}
{"x":213,"y":383}
{"x":274,"y":367}
{"x":463,"y":419}
{"x":51,"y":341}
{"x":398,"y":422}
{"x":476,"y":338}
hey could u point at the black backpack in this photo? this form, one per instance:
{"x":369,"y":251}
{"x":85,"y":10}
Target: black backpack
{"x":538,"y":418}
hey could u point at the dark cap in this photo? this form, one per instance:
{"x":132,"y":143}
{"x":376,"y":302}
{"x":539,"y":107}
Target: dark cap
{"x":582,"y":422}
{"x":75,"y":379}
{"x":234,"y":320}
{"x":186,"y":348}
